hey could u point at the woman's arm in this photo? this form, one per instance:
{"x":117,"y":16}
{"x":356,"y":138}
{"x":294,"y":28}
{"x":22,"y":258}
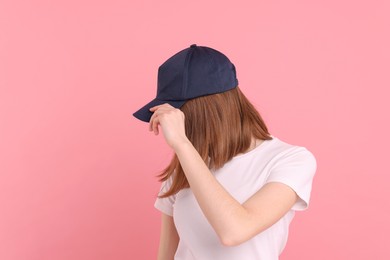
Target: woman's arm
{"x":233,"y":222}
{"x":169,"y":239}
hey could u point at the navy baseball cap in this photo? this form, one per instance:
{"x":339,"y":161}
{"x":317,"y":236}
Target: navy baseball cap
{"x":193,"y":72}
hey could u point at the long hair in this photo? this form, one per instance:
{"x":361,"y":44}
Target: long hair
{"x":219,"y":126}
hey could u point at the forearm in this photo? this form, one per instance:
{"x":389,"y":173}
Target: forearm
{"x":169,"y":238}
{"x":223,"y":212}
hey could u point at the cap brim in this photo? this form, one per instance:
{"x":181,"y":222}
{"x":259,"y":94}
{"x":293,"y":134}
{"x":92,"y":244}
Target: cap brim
{"x":144,"y":114}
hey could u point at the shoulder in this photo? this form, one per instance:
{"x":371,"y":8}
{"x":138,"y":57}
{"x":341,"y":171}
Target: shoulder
{"x":287,"y":152}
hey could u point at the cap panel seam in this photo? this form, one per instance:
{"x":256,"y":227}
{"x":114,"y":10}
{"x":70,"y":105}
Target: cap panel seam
{"x":185,"y":73}
{"x":213,"y":63}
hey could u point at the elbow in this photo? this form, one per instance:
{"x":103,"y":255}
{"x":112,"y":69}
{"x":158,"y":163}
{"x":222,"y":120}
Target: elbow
{"x":231,"y":240}
{"x":235,"y":237}
{"x":238,"y":232}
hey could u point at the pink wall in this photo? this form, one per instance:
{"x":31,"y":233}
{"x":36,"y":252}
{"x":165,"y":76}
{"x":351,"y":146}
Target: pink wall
{"x":77,"y":170}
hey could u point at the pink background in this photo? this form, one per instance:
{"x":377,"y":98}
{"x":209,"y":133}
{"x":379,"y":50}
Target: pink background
{"x":77,"y":171}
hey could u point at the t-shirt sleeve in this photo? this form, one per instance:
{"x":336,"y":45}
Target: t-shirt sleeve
{"x":165,"y":205}
{"x":296,"y":169}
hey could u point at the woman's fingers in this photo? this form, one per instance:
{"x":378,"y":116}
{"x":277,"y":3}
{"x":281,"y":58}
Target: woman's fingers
{"x":152,"y":122}
{"x":154,"y":119}
{"x":155,"y":123}
{"x":170,"y":120}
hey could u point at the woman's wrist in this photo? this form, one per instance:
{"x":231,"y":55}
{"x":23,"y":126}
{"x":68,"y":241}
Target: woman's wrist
{"x":180,"y":144}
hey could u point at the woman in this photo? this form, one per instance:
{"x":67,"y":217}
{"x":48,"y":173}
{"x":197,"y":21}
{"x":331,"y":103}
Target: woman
{"x":232,"y":188}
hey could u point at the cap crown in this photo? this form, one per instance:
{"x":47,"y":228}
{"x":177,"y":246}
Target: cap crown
{"x":193,"y":72}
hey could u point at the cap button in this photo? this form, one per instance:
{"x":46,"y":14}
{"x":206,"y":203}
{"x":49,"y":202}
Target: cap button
{"x":193,"y":45}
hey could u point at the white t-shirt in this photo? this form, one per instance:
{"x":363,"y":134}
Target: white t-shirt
{"x":272,"y":161}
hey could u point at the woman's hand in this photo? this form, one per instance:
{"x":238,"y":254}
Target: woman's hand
{"x":171,"y":121}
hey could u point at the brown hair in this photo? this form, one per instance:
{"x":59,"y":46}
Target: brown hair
{"x":219,"y":126}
